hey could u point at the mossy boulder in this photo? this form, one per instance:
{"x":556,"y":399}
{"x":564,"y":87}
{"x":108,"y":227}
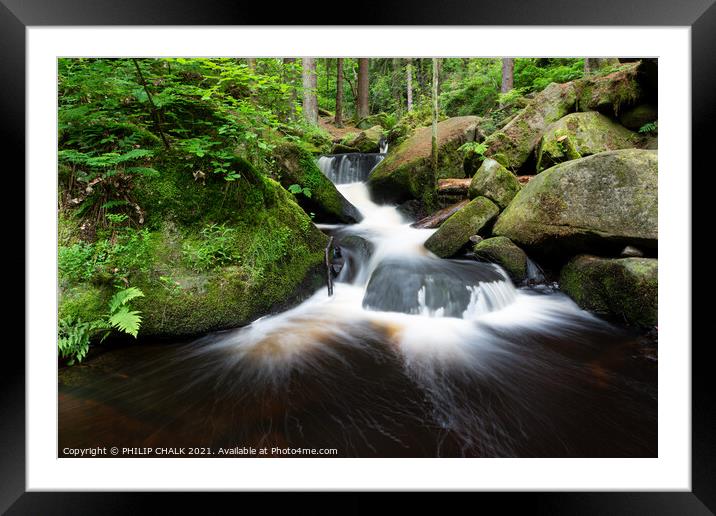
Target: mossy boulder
{"x":454,"y":234}
{"x":297,"y":166}
{"x":380,"y":119}
{"x":506,"y":254}
{"x":601,"y":202}
{"x":406,"y":173}
{"x":366,"y":141}
{"x":271,"y":255}
{"x":638,"y":116}
{"x":610,"y":93}
{"x":625,"y":288}
{"x":339,"y":148}
{"x":582,"y":134}
{"x":516,"y":141}
{"x":495,"y":182}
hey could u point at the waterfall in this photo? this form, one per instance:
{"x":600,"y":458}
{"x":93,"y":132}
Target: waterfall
{"x":348,"y":168}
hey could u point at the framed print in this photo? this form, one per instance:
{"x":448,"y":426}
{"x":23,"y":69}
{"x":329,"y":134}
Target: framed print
{"x":258,"y":260}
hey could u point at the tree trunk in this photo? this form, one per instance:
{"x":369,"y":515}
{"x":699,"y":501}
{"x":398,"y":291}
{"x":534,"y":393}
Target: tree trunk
{"x":409,"y":79}
{"x":338,"y":121}
{"x":310,"y":101}
{"x":593,"y":64}
{"x":251,"y":61}
{"x":362,"y":108}
{"x":508,"y":69}
{"x":508,"y":75}
{"x":291,"y":81}
{"x":436,"y":74}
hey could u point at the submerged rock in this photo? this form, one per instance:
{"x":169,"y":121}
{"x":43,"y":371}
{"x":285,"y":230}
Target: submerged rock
{"x":506,"y":254}
{"x":406,"y":173}
{"x":601,"y":202}
{"x":622,"y":287}
{"x":427,"y":286}
{"x":298,"y":167}
{"x":456,"y":231}
{"x":495,"y":182}
{"x":578,"y":135}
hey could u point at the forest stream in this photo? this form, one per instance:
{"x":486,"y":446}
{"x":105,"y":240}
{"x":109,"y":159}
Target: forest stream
{"x":412,"y":356}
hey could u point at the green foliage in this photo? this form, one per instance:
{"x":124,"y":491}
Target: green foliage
{"x":473,"y":147}
{"x":75,"y":334}
{"x":298,"y":189}
{"x":215,"y":246}
{"x":649,"y":128}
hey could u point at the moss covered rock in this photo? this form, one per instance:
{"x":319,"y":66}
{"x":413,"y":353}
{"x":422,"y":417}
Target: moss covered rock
{"x":406,"y":172}
{"x":601,"y":202}
{"x":263,"y":253}
{"x":506,"y":254}
{"x":516,"y":141}
{"x":614,"y":92}
{"x":339,"y":148}
{"x":495,"y":182}
{"x":455,"y":232}
{"x":625,"y":288}
{"x":366,"y":141}
{"x":380,"y":119}
{"x":297,"y":166}
{"x":582,"y":134}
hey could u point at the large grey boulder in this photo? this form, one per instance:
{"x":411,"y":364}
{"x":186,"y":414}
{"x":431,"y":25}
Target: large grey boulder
{"x":495,"y":182}
{"x":601,"y":202}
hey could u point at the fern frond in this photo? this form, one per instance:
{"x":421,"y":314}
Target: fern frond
{"x":123,"y":297}
{"x":126,"y":321}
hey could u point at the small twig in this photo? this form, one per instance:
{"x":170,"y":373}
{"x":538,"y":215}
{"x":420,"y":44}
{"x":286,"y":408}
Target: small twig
{"x":329,"y":276}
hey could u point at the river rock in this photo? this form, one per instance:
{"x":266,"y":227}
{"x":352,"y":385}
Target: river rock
{"x":578,"y":135}
{"x":495,"y":182}
{"x":366,"y":141}
{"x":456,"y":231}
{"x":601,"y":202}
{"x":506,"y":254}
{"x":638,"y":116}
{"x":339,"y":148}
{"x":626,"y":288}
{"x":412,"y":286}
{"x":297,"y":166}
{"x":273,"y":258}
{"x":406,"y":172}
{"x":514,"y":143}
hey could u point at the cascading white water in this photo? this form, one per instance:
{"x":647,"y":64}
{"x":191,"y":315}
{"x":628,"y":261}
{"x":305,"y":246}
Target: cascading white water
{"x":413,"y":355}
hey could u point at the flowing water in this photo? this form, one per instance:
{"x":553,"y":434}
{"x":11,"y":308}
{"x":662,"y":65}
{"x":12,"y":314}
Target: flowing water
{"x":412,"y":356}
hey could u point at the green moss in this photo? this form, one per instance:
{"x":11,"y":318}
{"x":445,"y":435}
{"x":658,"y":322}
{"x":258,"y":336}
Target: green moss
{"x":495,"y":182}
{"x":626,"y":288}
{"x":456,"y":231}
{"x":297,"y":166}
{"x":581,"y":134}
{"x":506,"y":254}
{"x":84,"y":300}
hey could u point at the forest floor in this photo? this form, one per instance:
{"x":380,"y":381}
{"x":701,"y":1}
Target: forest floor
{"x":338,"y":133}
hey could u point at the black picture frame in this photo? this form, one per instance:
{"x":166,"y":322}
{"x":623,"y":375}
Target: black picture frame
{"x":17,"y":15}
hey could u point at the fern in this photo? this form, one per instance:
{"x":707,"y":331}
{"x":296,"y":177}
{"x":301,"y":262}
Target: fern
{"x":126,"y":321}
{"x":74,"y":334}
{"x":123,"y":297}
